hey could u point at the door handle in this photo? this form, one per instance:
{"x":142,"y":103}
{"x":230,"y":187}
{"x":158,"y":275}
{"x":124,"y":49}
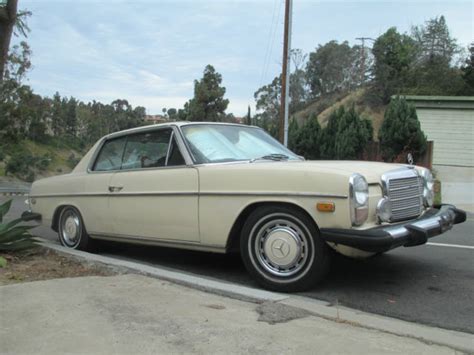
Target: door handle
{"x":115,"y":188}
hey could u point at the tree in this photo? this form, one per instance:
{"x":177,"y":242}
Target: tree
{"x":434,"y":41}
{"x":70,"y":117}
{"x":433,"y":72}
{"x":8,"y":16}
{"x":468,"y":73}
{"x":249,"y":116}
{"x":353,"y":134}
{"x":57,"y":116}
{"x":394,"y":56}
{"x":208,"y":103}
{"x":331,"y":68}
{"x":293,"y":134}
{"x":305,"y":141}
{"x":172,"y":114}
{"x":298,"y":84}
{"x":14,"y":95}
{"x":268,"y":101}
{"x":346,"y":135}
{"x":11,"y":22}
{"x":400,"y":132}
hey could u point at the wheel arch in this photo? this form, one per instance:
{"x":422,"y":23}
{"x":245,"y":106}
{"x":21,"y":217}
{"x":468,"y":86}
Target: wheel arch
{"x":233,"y":240}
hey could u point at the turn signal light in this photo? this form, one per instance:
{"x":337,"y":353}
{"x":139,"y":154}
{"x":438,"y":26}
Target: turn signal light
{"x":326,"y":206}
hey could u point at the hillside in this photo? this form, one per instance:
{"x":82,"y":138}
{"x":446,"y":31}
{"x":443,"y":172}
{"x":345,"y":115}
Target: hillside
{"x":324,"y":106}
{"x":58,"y":159}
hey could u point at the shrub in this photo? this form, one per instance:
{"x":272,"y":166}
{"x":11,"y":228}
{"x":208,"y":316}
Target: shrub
{"x":12,"y":236}
{"x":400,"y":132}
{"x":306,"y":140}
{"x":72,"y":161}
{"x":19,"y":164}
{"x":24,"y":165}
{"x":346,"y":135}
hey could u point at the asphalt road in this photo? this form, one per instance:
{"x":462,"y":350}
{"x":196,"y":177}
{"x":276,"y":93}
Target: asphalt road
{"x":429,"y":284}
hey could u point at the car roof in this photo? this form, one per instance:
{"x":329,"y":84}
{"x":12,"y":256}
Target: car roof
{"x":169,"y":124}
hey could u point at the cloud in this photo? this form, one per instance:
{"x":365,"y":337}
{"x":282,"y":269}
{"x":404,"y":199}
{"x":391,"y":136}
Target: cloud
{"x":150,"y":52}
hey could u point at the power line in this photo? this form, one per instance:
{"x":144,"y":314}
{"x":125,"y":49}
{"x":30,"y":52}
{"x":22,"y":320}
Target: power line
{"x":270,"y":32}
{"x":271,"y":41}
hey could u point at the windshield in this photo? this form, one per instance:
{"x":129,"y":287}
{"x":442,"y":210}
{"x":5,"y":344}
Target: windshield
{"x":212,"y":143}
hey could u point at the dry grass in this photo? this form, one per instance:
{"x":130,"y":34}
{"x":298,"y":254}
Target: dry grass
{"x":44,"y":264}
{"x":356,"y":99}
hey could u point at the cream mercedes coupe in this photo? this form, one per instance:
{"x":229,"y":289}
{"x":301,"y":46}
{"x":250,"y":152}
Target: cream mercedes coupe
{"x":225,"y":187}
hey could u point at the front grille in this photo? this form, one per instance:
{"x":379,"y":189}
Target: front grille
{"x":405,"y":192}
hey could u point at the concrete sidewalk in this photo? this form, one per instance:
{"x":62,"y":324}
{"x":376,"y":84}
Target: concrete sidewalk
{"x":138,"y":314}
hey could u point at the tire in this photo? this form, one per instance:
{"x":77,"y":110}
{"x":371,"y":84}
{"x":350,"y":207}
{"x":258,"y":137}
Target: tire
{"x":71,"y":230}
{"x":281,"y":249}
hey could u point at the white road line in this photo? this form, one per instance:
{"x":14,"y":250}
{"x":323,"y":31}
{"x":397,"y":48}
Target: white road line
{"x":451,"y":245}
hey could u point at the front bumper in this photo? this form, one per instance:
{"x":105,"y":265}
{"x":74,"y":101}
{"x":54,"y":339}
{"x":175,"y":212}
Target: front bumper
{"x":433,"y":222}
{"x":30,"y":216}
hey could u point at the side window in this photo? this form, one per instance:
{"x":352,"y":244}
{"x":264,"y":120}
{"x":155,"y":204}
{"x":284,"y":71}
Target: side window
{"x":139,"y":151}
{"x":110,"y":156}
{"x":149,"y":150}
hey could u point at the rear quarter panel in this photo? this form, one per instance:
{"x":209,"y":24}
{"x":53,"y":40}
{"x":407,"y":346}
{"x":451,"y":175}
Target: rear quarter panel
{"x":47,"y":194}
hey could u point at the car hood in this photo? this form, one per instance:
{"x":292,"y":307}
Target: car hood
{"x":372,"y":171}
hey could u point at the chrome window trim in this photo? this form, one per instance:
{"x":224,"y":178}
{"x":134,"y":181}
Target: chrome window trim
{"x":169,"y":147}
{"x":95,"y":156}
{"x":183,"y":148}
{"x":117,"y":135}
{"x":193,"y":159}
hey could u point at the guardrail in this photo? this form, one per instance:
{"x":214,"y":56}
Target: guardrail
{"x":14,"y":190}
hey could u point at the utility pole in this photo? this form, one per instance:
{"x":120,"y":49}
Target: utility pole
{"x":362,"y":74}
{"x":285,"y":75}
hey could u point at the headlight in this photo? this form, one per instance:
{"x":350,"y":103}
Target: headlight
{"x":359,"y":195}
{"x":428,"y":187}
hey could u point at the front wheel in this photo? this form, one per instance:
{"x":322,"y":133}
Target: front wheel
{"x":282,"y":250}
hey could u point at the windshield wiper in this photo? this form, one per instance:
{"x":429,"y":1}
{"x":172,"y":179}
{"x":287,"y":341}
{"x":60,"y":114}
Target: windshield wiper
{"x":274,"y":157}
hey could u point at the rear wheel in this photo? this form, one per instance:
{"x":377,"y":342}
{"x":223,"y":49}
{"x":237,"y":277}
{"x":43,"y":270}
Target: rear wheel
{"x":282,"y":250}
{"x":71,"y":230}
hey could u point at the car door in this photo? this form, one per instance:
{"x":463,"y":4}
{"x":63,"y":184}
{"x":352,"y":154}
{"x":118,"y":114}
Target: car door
{"x":155,"y":194}
{"x":95,"y":200}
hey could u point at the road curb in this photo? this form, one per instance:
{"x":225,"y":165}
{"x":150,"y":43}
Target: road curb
{"x":430,"y":335}
{"x":182,"y":278}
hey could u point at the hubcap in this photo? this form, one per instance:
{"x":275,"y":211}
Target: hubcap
{"x":71,"y":228}
{"x":281,"y":247}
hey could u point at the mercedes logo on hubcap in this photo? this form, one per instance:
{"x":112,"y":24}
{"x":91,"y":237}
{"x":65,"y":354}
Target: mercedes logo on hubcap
{"x":280,"y":248}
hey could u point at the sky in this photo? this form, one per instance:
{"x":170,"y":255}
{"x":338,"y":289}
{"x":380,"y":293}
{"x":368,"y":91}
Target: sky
{"x":150,"y":52}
